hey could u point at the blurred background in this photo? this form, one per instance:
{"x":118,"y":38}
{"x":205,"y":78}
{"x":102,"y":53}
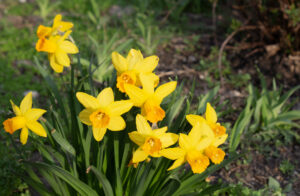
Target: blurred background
{"x":219,"y":44}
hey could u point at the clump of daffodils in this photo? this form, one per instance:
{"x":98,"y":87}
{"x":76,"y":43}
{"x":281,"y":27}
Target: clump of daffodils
{"x":138,"y":82}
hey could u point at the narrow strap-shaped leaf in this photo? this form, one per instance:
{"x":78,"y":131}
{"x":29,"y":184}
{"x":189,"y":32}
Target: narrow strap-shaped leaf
{"x":284,"y":98}
{"x":37,"y":186}
{"x":77,"y":184}
{"x":103,"y":180}
{"x":208,"y":97}
{"x":119,"y":187}
{"x":63,"y":142}
{"x":53,"y":87}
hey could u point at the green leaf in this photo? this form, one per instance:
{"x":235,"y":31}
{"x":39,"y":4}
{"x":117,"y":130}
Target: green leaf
{"x":103,"y":180}
{"x":78,"y":185}
{"x":63,"y":142}
{"x":273,"y":184}
{"x":208,"y":97}
{"x":284,"y":98}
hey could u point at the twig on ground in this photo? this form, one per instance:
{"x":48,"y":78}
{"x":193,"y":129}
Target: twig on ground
{"x":243,"y":28}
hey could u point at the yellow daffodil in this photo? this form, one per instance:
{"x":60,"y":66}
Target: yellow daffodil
{"x":215,"y":154}
{"x":26,"y":118}
{"x":150,"y":142}
{"x":149,"y":100}
{"x":191,"y":148}
{"x":58,"y":49}
{"x":102,"y":112}
{"x":58,"y":27}
{"x":129,"y":68}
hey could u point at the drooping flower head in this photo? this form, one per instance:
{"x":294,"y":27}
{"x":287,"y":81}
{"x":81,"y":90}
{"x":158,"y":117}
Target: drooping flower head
{"x":215,"y":154}
{"x":148,"y":99}
{"x":26,"y":118}
{"x":191,"y":148}
{"x":129,"y":68}
{"x":102,"y":112}
{"x":150,"y":142}
{"x":53,"y":40}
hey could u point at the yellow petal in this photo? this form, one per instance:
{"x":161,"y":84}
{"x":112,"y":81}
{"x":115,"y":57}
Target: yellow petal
{"x":219,"y":140}
{"x":200,"y":130}
{"x":203,"y":143}
{"x":62,"y":58}
{"x":147,"y":65}
{"x":118,"y":108}
{"x":136,"y":95}
{"x":147,"y":83}
{"x":194,"y":119}
{"x":84,"y":116}
{"x":159,"y":132}
{"x":177,"y":163}
{"x":173,"y":153}
{"x":26,"y":103}
{"x":137,"y":138}
{"x":142,"y":125}
{"x":119,"y":62}
{"x":133,"y":58}
{"x":15,"y":108}
{"x":34,"y":114}
{"x":105,"y":97}
{"x":88,"y":101}
{"x":185,"y":142}
{"x":55,"y":66}
{"x":57,"y":20}
{"x":64,"y":26}
{"x":139,"y":155}
{"x":99,"y":133}
{"x":168,"y":139}
{"x":116,"y":123}
{"x":210,"y":114}
{"x":37,"y":128}
{"x":24,"y":135}
{"x":164,"y":90}
{"x":43,"y":31}
{"x":68,"y":47}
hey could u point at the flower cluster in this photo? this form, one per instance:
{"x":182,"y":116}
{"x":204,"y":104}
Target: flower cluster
{"x":53,"y":40}
{"x":135,"y":78}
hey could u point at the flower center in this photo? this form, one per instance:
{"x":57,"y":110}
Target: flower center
{"x":219,"y":130}
{"x":99,"y":119}
{"x":153,"y":112}
{"x":197,"y":161}
{"x":216,"y":155}
{"x":127,"y":77}
{"x":152,"y":145}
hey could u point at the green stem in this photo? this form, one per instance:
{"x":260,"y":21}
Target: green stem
{"x":16,"y":147}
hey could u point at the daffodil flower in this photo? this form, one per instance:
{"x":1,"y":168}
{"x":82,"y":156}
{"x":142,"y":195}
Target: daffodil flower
{"x":149,"y":100}
{"x":150,"y":142}
{"x":191,"y":148}
{"x":129,"y":68}
{"x":58,"y":27}
{"x":102,"y":112}
{"x":26,"y":118}
{"x":58,"y":49}
{"x":215,"y":154}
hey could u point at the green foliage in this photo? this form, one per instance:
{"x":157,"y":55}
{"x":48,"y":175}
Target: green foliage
{"x":294,"y":14}
{"x":286,"y":167}
{"x":46,"y":7}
